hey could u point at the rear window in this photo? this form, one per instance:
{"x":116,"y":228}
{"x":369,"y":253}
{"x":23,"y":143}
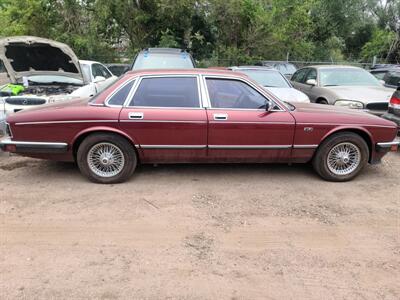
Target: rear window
{"x":167,"y":92}
{"x":148,"y":60}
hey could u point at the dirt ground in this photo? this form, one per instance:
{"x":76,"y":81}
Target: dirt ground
{"x":199,"y":232}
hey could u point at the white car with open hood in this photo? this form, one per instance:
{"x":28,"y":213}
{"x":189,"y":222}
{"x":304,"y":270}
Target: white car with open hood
{"x":36,"y":71}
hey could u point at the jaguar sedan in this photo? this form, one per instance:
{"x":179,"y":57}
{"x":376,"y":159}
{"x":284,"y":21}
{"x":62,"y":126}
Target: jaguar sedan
{"x":196,"y":116}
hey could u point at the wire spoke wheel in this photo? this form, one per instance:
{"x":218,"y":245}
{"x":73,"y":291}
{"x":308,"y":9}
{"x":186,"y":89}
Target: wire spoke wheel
{"x":105,"y":160}
{"x":344,"y":158}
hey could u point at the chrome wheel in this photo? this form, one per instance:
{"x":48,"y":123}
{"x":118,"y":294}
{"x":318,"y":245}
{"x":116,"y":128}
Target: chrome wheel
{"x":344,"y":158}
{"x":105,"y":160}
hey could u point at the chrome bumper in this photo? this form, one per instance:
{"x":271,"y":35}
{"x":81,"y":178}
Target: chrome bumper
{"x":8,"y":145}
{"x":388,"y":146}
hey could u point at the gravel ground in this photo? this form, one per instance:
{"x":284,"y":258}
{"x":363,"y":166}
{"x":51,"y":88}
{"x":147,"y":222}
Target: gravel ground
{"x":199,"y":232}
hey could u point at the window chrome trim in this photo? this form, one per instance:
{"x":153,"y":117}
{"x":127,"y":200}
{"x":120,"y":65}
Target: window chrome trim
{"x":263,"y":92}
{"x":137,"y":85}
{"x":119,"y":88}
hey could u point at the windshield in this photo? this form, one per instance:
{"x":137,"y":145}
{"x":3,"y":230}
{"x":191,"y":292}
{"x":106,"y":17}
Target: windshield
{"x":347,"y":77}
{"x":46,"y":79}
{"x":163,"y":61}
{"x":267,"y":78}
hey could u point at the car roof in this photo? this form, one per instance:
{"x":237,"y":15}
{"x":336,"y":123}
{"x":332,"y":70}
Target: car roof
{"x":195,"y":71}
{"x":259,"y":68}
{"x":332,"y":67}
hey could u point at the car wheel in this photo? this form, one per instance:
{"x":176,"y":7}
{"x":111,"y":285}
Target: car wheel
{"x":106,"y":158}
{"x":341,"y":157}
{"x":322,"y":101}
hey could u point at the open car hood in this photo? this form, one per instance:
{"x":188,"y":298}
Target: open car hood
{"x":29,"y":55}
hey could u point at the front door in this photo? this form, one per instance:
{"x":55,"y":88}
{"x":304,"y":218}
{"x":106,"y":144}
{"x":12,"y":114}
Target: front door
{"x":240,"y":129}
{"x":166,"y":120}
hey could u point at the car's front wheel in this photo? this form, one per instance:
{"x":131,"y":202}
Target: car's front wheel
{"x":106,"y":158}
{"x":341,"y":157}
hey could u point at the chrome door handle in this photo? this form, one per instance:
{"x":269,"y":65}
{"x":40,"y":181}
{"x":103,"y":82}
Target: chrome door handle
{"x":135,"y":115}
{"x":220,"y":117}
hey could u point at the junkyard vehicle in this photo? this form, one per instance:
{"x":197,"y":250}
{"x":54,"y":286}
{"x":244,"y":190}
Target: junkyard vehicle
{"x":392,"y":78}
{"x":38,"y":71}
{"x":197,"y":116}
{"x":118,"y":69}
{"x":345,"y":86}
{"x":380,"y":70}
{"x":286,"y":68}
{"x":163,"y":58}
{"x":97,"y":77}
{"x":272,"y":80}
{"x":393,"y":113}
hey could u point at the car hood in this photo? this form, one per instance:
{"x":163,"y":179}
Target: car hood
{"x":321,"y":113}
{"x":289,"y":94}
{"x":365,"y":94}
{"x":28,"y":56}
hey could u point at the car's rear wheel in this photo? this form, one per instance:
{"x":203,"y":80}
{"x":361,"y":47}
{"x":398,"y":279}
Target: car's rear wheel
{"x":341,"y":157}
{"x":106,"y":158}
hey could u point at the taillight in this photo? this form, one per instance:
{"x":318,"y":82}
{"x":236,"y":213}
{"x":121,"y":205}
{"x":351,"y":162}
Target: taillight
{"x":395,"y":100}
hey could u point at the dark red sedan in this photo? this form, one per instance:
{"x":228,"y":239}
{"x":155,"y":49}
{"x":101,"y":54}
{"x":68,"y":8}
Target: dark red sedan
{"x":202,"y":116}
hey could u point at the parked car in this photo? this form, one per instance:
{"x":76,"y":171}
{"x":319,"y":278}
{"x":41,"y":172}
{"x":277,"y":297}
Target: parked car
{"x":37,"y":71}
{"x":393,"y":113}
{"x":163,"y":58}
{"x":272,"y":80}
{"x":198,"y":116}
{"x":392,"y":78}
{"x":286,"y":68}
{"x":97,"y":77}
{"x":380,"y":71}
{"x":118,"y":69}
{"x":345,"y":86}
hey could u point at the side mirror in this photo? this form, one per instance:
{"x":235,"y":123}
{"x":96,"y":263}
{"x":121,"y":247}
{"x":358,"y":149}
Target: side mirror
{"x":312,"y":82}
{"x":269,"y":106}
{"x":382,"y":82}
{"x":99,"y":79}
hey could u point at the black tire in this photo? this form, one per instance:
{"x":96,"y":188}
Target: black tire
{"x":320,"y":160}
{"x":322,"y":101}
{"x":122,"y":145}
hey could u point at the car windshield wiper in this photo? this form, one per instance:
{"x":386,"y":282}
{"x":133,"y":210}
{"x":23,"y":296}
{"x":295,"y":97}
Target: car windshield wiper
{"x":331,"y":85}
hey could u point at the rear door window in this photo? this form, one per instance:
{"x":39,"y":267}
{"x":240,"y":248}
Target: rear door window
{"x":167,"y":92}
{"x":120,"y":96}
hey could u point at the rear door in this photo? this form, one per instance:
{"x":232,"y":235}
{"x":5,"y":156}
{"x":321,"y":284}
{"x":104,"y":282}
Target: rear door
{"x":240,"y":128}
{"x":166,"y":120}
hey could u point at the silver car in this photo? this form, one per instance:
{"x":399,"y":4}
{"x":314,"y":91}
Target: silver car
{"x":345,"y":86}
{"x":273,"y":81}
